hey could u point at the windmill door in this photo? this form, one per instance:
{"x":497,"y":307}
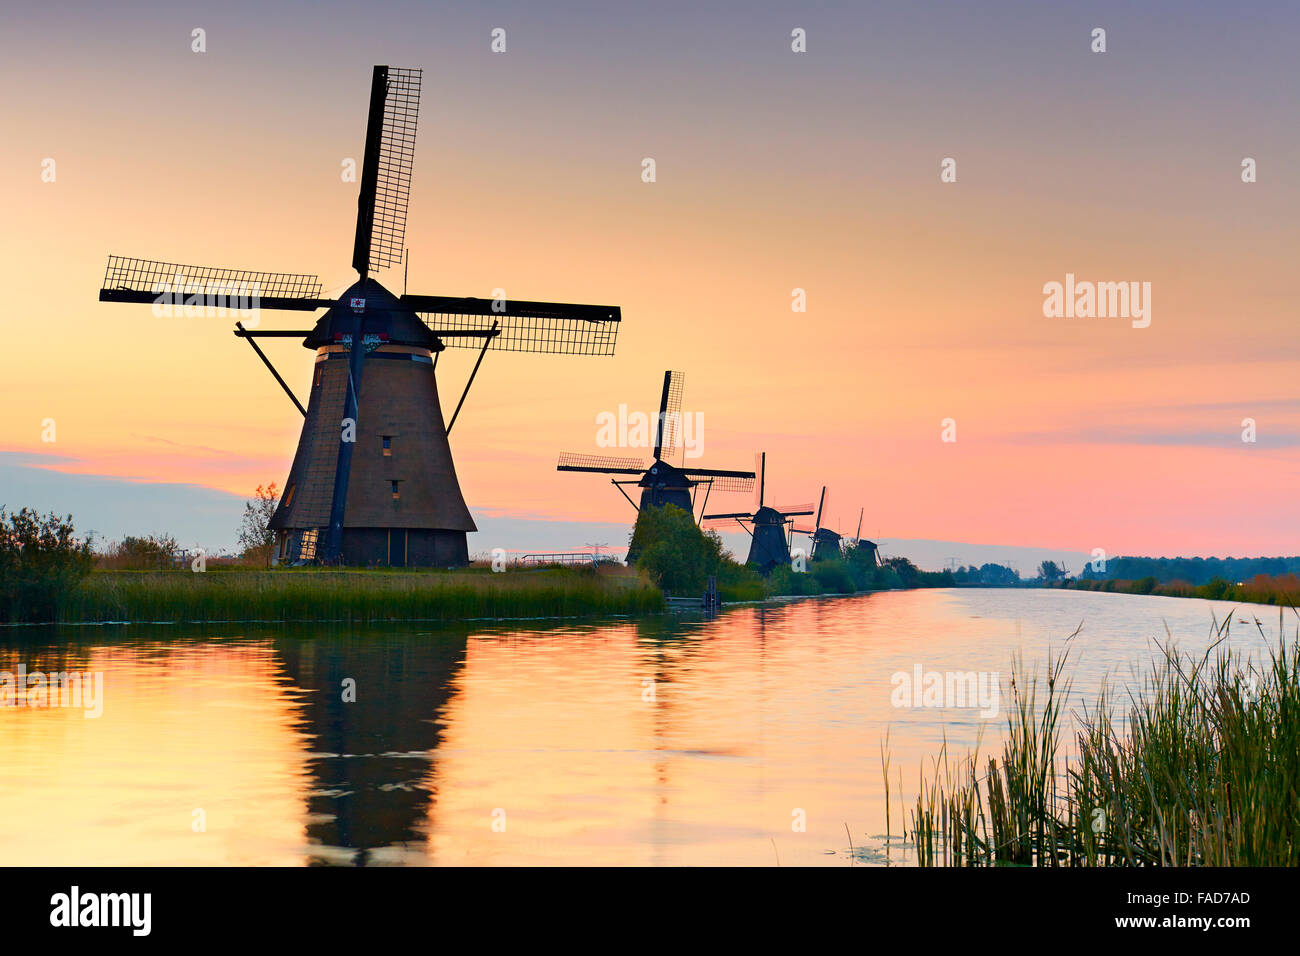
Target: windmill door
{"x":397,"y":547}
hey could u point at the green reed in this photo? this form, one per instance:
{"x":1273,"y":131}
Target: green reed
{"x":359,"y":596}
{"x":1204,"y":772}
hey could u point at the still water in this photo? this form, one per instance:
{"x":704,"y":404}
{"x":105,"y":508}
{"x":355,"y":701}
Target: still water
{"x":666,"y":740}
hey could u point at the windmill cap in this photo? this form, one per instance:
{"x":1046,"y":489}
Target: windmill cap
{"x":382,"y":314}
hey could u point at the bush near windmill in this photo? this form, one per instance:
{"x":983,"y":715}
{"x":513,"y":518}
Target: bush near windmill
{"x":679,"y":556}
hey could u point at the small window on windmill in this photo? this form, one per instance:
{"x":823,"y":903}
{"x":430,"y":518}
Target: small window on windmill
{"x":307,"y":547}
{"x":288,"y":496}
{"x":396,"y":494}
{"x":319,"y":369}
{"x":388,"y":448}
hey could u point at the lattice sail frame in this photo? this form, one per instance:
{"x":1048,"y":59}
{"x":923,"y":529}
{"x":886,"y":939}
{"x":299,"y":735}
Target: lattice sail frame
{"x":396,"y":161}
{"x":528,"y":333}
{"x":570,"y":459}
{"x":730,"y":484}
{"x":670,"y":416}
{"x":151,"y":276}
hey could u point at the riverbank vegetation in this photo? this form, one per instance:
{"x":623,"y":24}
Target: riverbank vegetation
{"x":1282,"y":590}
{"x":1199,"y":768}
{"x":41,"y":560}
{"x":679,"y":556}
{"x":322,"y":594}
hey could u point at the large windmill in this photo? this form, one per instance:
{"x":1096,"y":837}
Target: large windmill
{"x":769,"y":541}
{"x":373,"y":480}
{"x":825,"y":542}
{"x":662,"y":483}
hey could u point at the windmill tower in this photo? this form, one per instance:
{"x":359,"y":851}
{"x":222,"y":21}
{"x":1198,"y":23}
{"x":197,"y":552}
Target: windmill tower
{"x":825,"y":542}
{"x":372,"y":481}
{"x":769,"y":542}
{"x":662,"y":483}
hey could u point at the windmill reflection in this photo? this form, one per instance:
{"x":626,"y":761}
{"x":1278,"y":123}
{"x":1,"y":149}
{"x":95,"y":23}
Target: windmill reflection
{"x":369,"y":760}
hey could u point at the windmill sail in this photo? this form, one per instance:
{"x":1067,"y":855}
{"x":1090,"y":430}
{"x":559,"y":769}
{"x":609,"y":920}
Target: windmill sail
{"x":386,"y":173}
{"x":600,"y":464}
{"x":526,"y":326}
{"x":669,"y":424}
{"x":151,"y":281}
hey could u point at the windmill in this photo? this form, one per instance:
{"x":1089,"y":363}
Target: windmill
{"x":769,"y":543}
{"x":660,"y":482}
{"x":372,"y":481}
{"x":825,"y":542}
{"x":867,"y":549}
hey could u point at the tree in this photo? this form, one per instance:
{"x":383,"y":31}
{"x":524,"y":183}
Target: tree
{"x":908,"y":573}
{"x":151,"y":552}
{"x":676,"y":554}
{"x":40,"y":561}
{"x":1051,"y":572}
{"x":256,"y":538}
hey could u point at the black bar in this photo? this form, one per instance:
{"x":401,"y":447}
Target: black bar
{"x":177,"y":300}
{"x":601,"y":471}
{"x":717,"y":473}
{"x":663,"y":408}
{"x":247,"y":336}
{"x":625,"y":495}
{"x":482,"y":352}
{"x":244,"y":333}
{"x":343,"y":466}
{"x":450,"y":305}
{"x":370,"y":172}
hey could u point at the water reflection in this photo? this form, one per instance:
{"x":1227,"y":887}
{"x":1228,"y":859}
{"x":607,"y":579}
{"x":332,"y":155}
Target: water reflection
{"x":747,"y":739}
{"x":371,"y":708}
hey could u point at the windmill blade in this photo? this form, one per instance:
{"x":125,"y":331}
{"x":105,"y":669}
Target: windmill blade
{"x":730,"y":482}
{"x":669,"y":424}
{"x":760,"y":469}
{"x":601,"y":464}
{"x":525,"y":326}
{"x":151,"y":281}
{"x":806,"y":508}
{"x":725,"y":522}
{"x":820,"y":506}
{"x":804,"y":529}
{"x":386,"y":173}
{"x":858,"y":534}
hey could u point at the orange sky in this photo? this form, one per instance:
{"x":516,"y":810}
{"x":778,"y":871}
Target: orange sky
{"x":924,"y":298}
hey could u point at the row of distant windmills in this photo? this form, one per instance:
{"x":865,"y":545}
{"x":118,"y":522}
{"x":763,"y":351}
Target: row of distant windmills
{"x":771,"y":527}
{"x":373,"y":481}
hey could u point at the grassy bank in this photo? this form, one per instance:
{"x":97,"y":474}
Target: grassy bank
{"x":1204,"y":773}
{"x":1282,"y":590}
{"x":361,"y":596}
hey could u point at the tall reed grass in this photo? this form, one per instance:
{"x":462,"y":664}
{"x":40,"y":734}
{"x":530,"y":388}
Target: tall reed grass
{"x":359,"y":596}
{"x":1204,"y":772}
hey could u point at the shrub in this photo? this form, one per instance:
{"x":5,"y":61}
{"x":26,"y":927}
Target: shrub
{"x":40,"y":562}
{"x":833,"y":576}
{"x":676,"y":554}
{"x":149,"y":553}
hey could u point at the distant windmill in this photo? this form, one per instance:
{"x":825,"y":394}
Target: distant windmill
{"x":769,"y":544}
{"x":825,"y":542}
{"x":661,"y":483}
{"x":859,"y":543}
{"x":373,"y":480}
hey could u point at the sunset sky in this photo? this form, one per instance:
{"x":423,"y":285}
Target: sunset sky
{"x":775,"y":170}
